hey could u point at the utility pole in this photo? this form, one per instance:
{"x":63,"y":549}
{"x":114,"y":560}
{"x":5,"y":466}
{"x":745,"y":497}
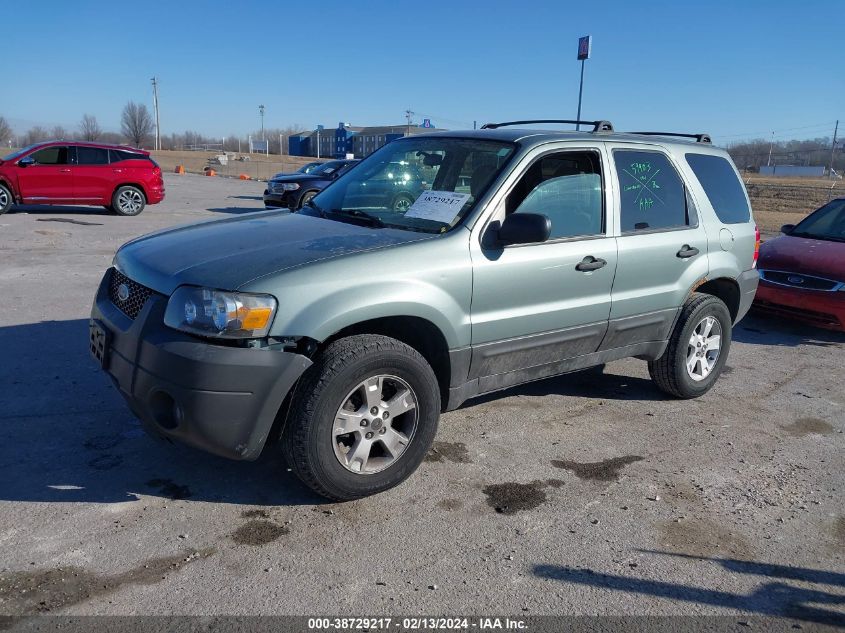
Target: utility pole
{"x":771,"y":145}
{"x":408,"y":115}
{"x":833,"y":150}
{"x":261,"y":112}
{"x":155,"y":107}
{"x":585,"y":46}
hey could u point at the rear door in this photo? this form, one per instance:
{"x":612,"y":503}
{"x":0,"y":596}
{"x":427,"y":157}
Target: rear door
{"x":92,"y":175}
{"x":662,"y":246}
{"x":49,"y":179}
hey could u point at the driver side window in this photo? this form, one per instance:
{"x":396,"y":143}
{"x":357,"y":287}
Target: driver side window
{"x":50,"y":156}
{"x":567,"y":188}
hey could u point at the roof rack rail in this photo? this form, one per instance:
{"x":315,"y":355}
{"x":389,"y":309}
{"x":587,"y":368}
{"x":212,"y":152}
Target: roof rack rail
{"x":699,"y":138}
{"x":598,"y":126}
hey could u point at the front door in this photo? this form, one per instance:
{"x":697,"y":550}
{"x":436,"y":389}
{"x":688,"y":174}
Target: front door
{"x":48,"y":179}
{"x":662,"y":247}
{"x":534,"y":305}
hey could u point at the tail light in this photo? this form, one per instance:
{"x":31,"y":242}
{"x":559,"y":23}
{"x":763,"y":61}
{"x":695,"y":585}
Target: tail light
{"x":756,"y":247}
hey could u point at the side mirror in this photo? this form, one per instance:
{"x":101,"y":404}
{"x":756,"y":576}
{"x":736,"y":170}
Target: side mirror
{"x":787,"y":228}
{"x":26,"y":161}
{"x":524,"y":228}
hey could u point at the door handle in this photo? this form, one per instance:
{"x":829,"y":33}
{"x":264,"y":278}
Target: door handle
{"x":687,"y":251}
{"x":118,"y":171}
{"x":64,"y":171}
{"x":590,"y":263}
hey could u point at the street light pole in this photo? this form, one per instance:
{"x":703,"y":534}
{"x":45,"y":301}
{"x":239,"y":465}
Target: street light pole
{"x":833,"y":150}
{"x":580,"y":94}
{"x":261,"y":112}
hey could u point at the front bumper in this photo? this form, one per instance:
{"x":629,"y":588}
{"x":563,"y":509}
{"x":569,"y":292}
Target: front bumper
{"x":221,"y":399}
{"x":284,"y":200}
{"x":822,"y":309}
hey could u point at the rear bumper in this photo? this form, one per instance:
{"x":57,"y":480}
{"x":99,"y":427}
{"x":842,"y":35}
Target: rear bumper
{"x":822,"y":309}
{"x":748,"y":283}
{"x":155,"y":195}
{"x":221,"y":399}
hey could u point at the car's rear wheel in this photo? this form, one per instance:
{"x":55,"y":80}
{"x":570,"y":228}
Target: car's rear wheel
{"x":308,"y":195}
{"x":698,"y":348}
{"x":402,"y":203}
{"x":363,"y":417}
{"x":128,"y":200}
{"x":5,"y":199}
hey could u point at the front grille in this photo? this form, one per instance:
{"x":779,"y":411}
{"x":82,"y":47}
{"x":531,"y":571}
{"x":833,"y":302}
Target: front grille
{"x":132,"y":304}
{"x":800,"y":281}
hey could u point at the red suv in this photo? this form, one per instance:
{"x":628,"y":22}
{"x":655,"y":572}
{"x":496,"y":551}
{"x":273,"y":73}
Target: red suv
{"x":121,"y":179}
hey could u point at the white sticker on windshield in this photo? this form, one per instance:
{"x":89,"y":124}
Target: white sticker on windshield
{"x":440,"y":206}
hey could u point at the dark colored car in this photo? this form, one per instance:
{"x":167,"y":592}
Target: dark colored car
{"x":307,"y":168}
{"x":394,"y":186}
{"x":802,"y":272}
{"x":121,"y":179}
{"x":294,"y":190}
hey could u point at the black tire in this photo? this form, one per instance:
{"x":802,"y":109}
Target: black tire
{"x":401,"y":203}
{"x":128,"y":201}
{"x":306,"y":197}
{"x":308,"y":440}
{"x":6,"y":199}
{"x":669,"y":372}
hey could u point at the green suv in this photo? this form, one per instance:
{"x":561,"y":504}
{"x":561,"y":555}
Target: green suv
{"x":342,"y":331}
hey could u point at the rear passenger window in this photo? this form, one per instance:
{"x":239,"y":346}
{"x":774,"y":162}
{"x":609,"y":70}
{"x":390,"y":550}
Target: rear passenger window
{"x":723,"y":189}
{"x":118,"y":155}
{"x":566,"y":188}
{"x":652,"y":194}
{"x":92,"y":156}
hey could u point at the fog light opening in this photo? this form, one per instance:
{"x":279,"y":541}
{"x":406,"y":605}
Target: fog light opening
{"x":166,"y":413}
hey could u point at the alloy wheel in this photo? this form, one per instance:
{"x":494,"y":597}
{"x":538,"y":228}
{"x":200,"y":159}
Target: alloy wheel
{"x":375,"y":424}
{"x":703,"y":348}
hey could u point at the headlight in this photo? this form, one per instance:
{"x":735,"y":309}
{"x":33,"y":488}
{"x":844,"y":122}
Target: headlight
{"x":289,"y":186}
{"x":220,"y":314}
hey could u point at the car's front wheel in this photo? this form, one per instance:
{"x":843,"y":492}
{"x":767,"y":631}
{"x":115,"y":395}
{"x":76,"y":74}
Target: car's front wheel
{"x":5,"y":199}
{"x":698,"y":348}
{"x":128,"y":200}
{"x":363,"y":417}
{"x":306,"y":197}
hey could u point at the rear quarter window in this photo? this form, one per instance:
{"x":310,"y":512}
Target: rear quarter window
{"x":723,"y":188}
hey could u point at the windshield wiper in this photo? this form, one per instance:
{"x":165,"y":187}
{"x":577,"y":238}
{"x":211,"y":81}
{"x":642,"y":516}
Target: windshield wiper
{"x":373,"y":220}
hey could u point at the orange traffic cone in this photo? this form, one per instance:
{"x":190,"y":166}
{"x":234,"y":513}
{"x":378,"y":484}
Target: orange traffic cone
{"x":180,"y":169}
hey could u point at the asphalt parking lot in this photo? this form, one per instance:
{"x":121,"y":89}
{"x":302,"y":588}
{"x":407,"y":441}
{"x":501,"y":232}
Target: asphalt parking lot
{"x":586,"y":494}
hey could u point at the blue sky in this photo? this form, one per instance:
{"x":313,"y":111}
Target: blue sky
{"x":734,"y":69}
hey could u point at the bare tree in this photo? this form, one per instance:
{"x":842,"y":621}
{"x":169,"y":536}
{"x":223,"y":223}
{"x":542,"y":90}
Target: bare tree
{"x":35,"y":134}
{"x":5,"y":131}
{"x":136,"y":123}
{"x":89,"y":128}
{"x":59,"y":133}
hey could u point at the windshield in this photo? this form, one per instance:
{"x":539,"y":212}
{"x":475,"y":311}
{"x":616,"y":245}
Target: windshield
{"x":307,"y":169}
{"x":327,"y":168}
{"x":19,"y":152}
{"x":827,"y":223}
{"x":419,"y":184}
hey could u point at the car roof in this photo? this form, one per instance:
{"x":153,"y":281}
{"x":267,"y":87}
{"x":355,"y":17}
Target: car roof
{"x":531,"y":136}
{"x":124,"y":148}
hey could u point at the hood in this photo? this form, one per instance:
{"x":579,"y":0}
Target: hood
{"x":821,"y":258}
{"x":229,"y":253}
{"x":298,"y":178}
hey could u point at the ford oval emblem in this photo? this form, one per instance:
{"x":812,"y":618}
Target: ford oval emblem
{"x":123,"y":292}
{"x":795,"y":279}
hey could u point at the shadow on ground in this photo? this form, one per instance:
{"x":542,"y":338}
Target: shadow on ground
{"x":761,"y":329}
{"x":57,"y":210}
{"x":66,"y":435}
{"x":772,"y":598}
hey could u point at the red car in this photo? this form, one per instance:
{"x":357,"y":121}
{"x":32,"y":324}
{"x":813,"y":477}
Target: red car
{"x":121,"y":179}
{"x":802,"y":272}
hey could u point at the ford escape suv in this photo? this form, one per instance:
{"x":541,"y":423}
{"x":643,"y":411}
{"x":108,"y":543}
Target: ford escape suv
{"x":343,"y":330}
{"x":121,"y":179}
